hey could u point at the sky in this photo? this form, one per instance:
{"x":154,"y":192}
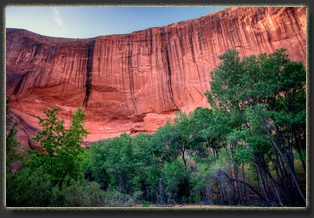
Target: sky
{"x":89,"y":22}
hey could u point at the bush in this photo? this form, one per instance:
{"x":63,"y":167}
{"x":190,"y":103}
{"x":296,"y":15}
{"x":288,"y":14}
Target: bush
{"x":28,"y":190}
{"x":78,"y":194}
{"x":115,"y":198}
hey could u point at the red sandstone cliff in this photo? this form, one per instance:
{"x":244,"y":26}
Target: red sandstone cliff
{"x":134,"y":82}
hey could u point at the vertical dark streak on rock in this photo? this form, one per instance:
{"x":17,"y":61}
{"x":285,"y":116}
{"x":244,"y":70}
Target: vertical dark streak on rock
{"x":169,"y":78}
{"x":292,"y":12}
{"x":150,"y":63}
{"x":131,"y":78}
{"x":88,"y":83}
{"x":182,"y":50}
{"x":193,"y":56}
{"x":151,"y":40}
{"x":66,"y":80}
{"x":19,"y":85}
{"x":123,"y":60}
{"x":40,"y":74}
{"x":71,"y":70}
{"x":190,"y":34}
{"x":38,"y":48}
{"x":160,"y":89}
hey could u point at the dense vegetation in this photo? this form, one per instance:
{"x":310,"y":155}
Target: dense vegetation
{"x":248,"y":149}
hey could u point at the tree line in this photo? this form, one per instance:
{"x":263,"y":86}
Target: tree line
{"x":248,"y":148}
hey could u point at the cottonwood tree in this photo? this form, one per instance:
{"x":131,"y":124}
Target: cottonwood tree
{"x":268,"y":93}
{"x":62,"y":147}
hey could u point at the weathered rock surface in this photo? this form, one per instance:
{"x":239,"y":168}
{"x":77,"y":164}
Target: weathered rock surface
{"x":134,"y":82}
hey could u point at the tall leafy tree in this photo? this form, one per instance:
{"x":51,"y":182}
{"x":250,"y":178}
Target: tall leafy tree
{"x":268,"y":93}
{"x":61,"y":147}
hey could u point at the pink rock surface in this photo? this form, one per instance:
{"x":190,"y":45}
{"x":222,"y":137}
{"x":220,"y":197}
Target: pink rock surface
{"x":134,"y":82}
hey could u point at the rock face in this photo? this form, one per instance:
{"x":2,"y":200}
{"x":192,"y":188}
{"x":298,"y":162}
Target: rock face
{"x":135,"y":82}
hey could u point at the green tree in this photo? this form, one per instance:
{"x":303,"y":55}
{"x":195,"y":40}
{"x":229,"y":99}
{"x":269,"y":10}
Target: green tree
{"x":62,"y":147}
{"x":162,"y":144}
{"x":173,"y":174}
{"x":95,"y":165}
{"x":268,"y":93}
{"x":28,"y":190}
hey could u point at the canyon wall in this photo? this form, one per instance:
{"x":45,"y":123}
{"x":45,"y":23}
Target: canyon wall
{"x":134,"y":82}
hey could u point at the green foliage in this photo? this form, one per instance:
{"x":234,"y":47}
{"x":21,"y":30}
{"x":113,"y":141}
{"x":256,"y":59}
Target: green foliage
{"x":173,"y":174}
{"x":162,"y":143}
{"x":268,"y":93}
{"x":115,"y":198}
{"x":145,"y":203}
{"x":93,"y":167}
{"x":200,"y":180}
{"x":236,"y":84}
{"x":78,"y":194}
{"x":152,"y":178}
{"x":14,"y":158}
{"x":34,"y":190}
{"x":28,"y":190}
{"x":62,"y":146}
{"x":124,"y":162}
{"x":242,"y":155}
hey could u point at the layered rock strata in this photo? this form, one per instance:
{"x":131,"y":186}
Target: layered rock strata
{"x":135,"y":82}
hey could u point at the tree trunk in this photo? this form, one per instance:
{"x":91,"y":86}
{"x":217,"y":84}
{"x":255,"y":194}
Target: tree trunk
{"x":288,"y":166}
{"x":245,"y":189}
{"x":253,"y":189}
{"x":262,"y":183}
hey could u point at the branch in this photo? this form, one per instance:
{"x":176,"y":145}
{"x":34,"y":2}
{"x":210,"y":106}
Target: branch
{"x":253,"y":189}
